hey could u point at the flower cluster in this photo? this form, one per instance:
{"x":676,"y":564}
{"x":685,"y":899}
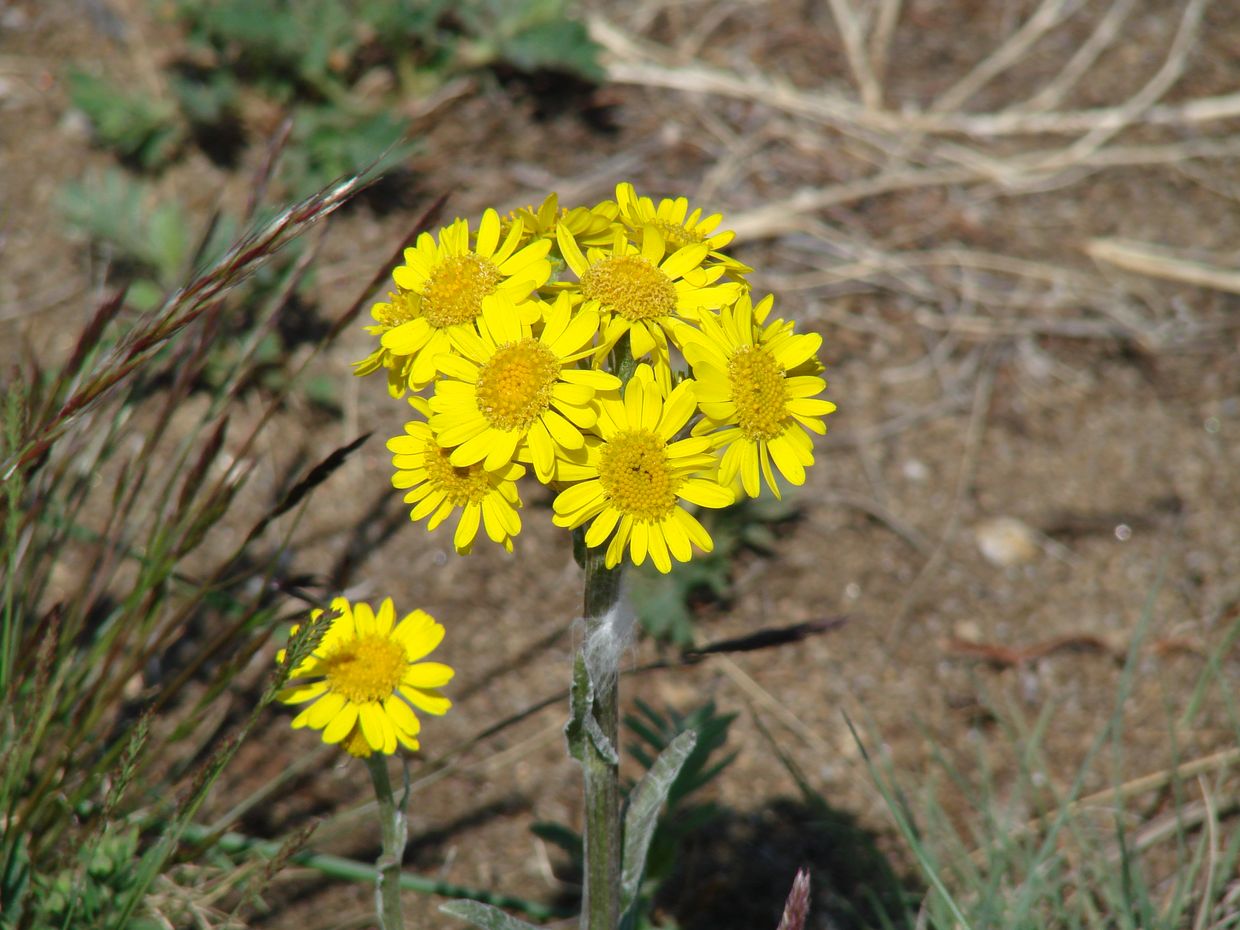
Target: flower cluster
{"x":548,"y":341}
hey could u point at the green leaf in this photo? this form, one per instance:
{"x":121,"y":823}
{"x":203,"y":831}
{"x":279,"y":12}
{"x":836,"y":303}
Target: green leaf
{"x":484,"y":915}
{"x":558,"y":835}
{"x":663,"y":602}
{"x":643,"y":814}
{"x":556,"y":45}
{"x":169,"y":239}
{"x":146,"y":239}
{"x":580,"y":697}
{"x":330,"y":142}
{"x":144,"y":294}
{"x":145,"y":129}
{"x":582,"y":724}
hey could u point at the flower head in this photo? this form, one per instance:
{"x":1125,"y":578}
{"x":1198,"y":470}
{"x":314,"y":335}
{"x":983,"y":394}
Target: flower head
{"x":679,"y":226}
{"x":632,"y":479}
{"x":507,"y":389}
{"x":643,"y":291}
{"x":758,"y":388}
{"x":364,"y":675}
{"x":437,"y":488}
{"x":588,"y":225}
{"x":442,"y":288}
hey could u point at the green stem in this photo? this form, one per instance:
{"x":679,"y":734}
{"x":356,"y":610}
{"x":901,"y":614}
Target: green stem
{"x":392,"y":824}
{"x":601,"y":902}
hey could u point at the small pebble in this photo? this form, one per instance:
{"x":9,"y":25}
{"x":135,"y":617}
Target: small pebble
{"x":1006,"y":541}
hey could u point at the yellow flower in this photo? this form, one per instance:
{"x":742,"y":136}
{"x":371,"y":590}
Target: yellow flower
{"x":644,"y":291}
{"x":507,"y":388}
{"x":442,"y":288}
{"x":437,"y":488}
{"x":588,"y":225}
{"x":678,"y":225}
{"x":395,"y":367}
{"x":633,"y":478}
{"x":758,"y":389}
{"x":365,"y":673}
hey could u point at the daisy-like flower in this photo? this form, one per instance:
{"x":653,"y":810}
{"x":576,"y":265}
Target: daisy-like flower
{"x":632,"y":480}
{"x":442,"y":288}
{"x":758,"y":388}
{"x":506,"y":388}
{"x":644,"y":291}
{"x":437,"y":488}
{"x":678,"y":225}
{"x":588,"y":225}
{"x":363,"y":676}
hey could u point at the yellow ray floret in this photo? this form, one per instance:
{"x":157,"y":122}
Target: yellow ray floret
{"x":758,"y":389}
{"x":507,"y":392}
{"x":632,"y":479}
{"x":365,"y":678}
{"x":437,"y":489}
{"x":442,"y":289}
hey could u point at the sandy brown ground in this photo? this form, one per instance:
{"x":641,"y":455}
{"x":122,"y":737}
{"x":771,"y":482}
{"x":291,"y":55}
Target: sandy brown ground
{"x":1034,"y":449}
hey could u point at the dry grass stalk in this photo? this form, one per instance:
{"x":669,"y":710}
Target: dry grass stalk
{"x":1157,"y":262}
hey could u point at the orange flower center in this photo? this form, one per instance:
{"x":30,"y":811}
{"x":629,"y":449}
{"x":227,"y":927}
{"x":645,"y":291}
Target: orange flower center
{"x":468,"y":485}
{"x":365,"y":669}
{"x":636,"y":475}
{"x":759,"y":392}
{"x":514,"y":386}
{"x":630,"y":286}
{"x":456,"y":288}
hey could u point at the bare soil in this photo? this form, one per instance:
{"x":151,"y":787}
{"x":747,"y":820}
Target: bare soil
{"x":1036,"y":456}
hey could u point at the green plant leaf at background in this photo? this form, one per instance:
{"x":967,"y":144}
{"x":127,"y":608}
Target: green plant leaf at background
{"x":530,"y":35}
{"x":147,"y":240}
{"x":557,"y":45}
{"x":664,"y":602}
{"x":329,"y":142}
{"x":144,"y":129}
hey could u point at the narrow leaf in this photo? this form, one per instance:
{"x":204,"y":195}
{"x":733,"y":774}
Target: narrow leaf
{"x":579,"y":700}
{"x":643,"y":814}
{"x":320,"y":473}
{"x":484,"y":915}
{"x":582,"y":724}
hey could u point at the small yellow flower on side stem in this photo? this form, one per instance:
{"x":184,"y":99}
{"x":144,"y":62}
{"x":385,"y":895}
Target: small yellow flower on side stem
{"x":632,"y":480}
{"x":364,"y":675}
{"x":758,"y":388}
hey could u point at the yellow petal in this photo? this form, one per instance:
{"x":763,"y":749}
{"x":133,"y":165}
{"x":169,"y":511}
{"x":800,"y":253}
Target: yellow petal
{"x":402,"y":716}
{"x":427,"y":675}
{"x":341,"y":724}
{"x":370,"y":716}
{"x":428,"y":701}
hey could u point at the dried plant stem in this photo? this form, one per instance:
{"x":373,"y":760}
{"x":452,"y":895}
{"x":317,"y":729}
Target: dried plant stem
{"x":392,"y":825}
{"x":601,"y":902}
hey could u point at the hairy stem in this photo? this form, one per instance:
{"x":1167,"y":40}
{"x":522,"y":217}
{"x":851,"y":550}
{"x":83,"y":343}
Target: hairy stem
{"x":392,"y":824}
{"x":601,"y":904}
